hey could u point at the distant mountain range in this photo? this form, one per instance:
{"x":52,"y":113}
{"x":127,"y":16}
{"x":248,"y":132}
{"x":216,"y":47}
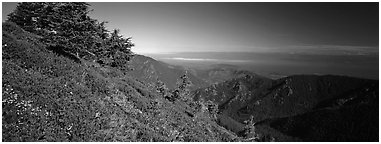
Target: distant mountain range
{"x":150,"y":70}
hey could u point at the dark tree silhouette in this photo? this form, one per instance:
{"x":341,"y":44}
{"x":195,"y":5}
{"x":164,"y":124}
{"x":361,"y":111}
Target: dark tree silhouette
{"x":69,"y":26}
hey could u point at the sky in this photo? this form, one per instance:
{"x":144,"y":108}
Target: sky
{"x":317,"y":28}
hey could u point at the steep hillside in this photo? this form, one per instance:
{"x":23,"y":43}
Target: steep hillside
{"x":267,"y":98}
{"x":314,"y":97}
{"x":351,"y":117}
{"x":356,"y":122}
{"x":233,"y":94}
{"x":50,"y":97}
{"x":298,"y":94}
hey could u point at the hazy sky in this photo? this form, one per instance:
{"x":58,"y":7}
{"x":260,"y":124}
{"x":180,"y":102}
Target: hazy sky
{"x":338,"y":28}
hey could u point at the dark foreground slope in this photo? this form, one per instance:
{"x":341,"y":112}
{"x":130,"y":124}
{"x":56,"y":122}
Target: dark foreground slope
{"x":49,"y":97}
{"x":357,"y":122}
{"x":349,"y":116}
{"x":304,"y":107}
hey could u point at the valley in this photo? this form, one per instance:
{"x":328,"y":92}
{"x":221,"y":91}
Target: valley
{"x":280,"y":106}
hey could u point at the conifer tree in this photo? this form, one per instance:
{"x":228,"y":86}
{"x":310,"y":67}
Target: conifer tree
{"x":212,"y":108}
{"x":161,"y":88}
{"x":69,"y":26}
{"x":250,"y":133}
{"x":182,"y":91}
{"x":64,"y":24}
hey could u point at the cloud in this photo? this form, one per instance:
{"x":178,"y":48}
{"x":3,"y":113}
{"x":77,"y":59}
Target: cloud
{"x":210,"y":60}
{"x":192,"y":59}
{"x":333,"y":49}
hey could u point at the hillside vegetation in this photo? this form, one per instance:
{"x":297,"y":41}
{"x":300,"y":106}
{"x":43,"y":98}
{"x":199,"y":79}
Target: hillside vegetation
{"x":299,"y":108}
{"x":49,"y":97}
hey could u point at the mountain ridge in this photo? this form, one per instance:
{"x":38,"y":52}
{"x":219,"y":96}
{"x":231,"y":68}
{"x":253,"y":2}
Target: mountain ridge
{"x":289,"y":97}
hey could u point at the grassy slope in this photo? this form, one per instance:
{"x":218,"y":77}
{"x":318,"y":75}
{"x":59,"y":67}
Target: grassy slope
{"x":47,"y":97}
